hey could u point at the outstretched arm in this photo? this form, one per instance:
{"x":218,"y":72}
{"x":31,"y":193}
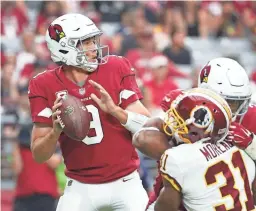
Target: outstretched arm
{"x":151,"y":140}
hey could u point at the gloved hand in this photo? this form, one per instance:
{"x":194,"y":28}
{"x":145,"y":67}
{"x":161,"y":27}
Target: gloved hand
{"x":239,"y":135}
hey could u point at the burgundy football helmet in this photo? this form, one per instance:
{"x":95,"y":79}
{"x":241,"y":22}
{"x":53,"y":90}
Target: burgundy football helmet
{"x":198,"y":115}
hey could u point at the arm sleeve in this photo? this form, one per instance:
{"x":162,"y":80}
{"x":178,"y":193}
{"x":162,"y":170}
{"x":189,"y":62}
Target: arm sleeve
{"x":170,"y":170}
{"x":130,"y":91}
{"x":249,"y":119}
{"x":39,"y":106}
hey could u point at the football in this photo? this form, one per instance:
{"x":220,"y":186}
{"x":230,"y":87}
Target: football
{"x":75,"y":118}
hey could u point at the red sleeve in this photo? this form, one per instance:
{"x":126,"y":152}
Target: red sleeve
{"x":39,"y":106}
{"x":130,"y":91}
{"x":168,"y":98}
{"x":249,"y":119}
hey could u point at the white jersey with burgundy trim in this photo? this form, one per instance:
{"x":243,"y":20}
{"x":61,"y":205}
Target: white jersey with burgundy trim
{"x":210,"y":176}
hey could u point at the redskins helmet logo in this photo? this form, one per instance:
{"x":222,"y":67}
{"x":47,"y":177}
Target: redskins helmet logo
{"x":56,"y":32}
{"x":205,"y":74}
{"x":202,"y":116}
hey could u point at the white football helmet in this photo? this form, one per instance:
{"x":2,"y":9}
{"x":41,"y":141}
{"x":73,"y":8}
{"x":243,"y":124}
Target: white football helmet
{"x":228,"y":78}
{"x":66,"y":33}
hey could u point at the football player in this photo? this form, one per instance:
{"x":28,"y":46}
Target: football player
{"x":228,"y":78}
{"x":102,"y":168}
{"x":148,"y":141}
{"x":207,"y":172}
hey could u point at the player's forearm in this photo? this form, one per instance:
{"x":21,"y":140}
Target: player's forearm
{"x":54,"y":161}
{"x":161,"y":206}
{"x":132,"y":121}
{"x":151,"y":142}
{"x":164,"y":203}
{"x":44,"y":147}
{"x":120,"y":114}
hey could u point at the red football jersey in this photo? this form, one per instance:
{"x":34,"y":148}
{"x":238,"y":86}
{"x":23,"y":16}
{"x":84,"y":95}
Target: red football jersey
{"x":106,"y":154}
{"x":249,"y":119}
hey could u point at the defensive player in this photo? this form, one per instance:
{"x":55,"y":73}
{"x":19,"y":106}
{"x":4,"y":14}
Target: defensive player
{"x":101,"y":169}
{"x":238,"y":89}
{"x":206,"y":173}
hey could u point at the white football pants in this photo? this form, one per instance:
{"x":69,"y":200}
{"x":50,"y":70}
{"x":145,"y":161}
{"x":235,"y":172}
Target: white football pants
{"x":124,"y":194}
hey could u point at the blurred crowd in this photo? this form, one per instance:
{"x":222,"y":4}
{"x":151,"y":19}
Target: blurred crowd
{"x":166,"y":42}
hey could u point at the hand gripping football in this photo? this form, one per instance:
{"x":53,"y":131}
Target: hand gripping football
{"x":75,"y":118}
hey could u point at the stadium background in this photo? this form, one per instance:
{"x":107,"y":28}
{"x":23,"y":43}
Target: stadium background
{"x":167,"y":43}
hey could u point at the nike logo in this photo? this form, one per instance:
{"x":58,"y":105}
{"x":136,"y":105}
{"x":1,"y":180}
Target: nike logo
{"x":126,"y":179}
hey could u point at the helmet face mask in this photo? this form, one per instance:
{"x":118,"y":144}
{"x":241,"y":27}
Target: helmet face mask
{"x":229,"y":79}
{"x":66,"y":38}
{"x":83,"y":59}
{"x":238,"y":106}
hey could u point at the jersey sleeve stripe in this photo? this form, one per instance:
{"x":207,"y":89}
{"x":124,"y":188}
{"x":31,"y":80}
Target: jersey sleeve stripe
{"x":31,"y":97}
{"x":172,"y":181}
{"x":125,"y":94}
{"x":46,"y":112}
{"x":126,"y":76}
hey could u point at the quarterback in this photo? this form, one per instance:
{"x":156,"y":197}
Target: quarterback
{"x":102,"y":168}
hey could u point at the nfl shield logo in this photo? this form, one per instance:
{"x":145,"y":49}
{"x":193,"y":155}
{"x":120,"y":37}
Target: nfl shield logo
{"x":82,"y":91}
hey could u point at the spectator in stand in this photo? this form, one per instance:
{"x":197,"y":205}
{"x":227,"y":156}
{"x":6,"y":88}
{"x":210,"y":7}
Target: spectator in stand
{"x":6,"y":75}
{"x":231,"y":25}
{"x":140,"y":56}
{"x":138,"y":24}
{"x":27,"y":55}
{"x":13,"y":18}
{"x":36,"y":187}
{"x":191,"y":15}
{"x":8,"y":57}
{"x":124,"y":30}
{"x":104,"y":39}
{"x":177,"y":52}
{"x":160,"y":84}
{"x":253,"y":38}
{"x":48,"y":12}
{"x":162,"y":29}
{"x":247,"y":12}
